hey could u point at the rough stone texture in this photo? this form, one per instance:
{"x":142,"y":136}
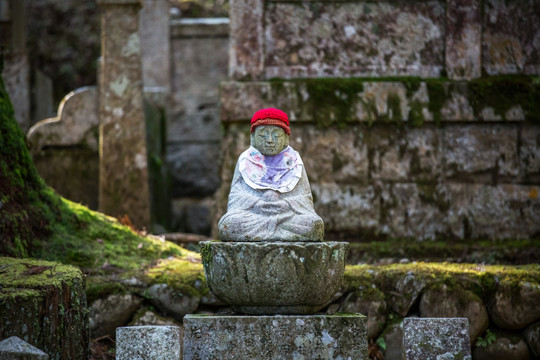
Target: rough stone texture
{"x":77,"y":123}
{"x":504,"y":347}
{"x":372,"y":305}
{"x":404,"y":292}
{"x":350,"y":39}
{"x":246,"y":59}
{"x":111,"y":312}
{"x":463,"y":39}
{"x":510,"y":37}
{"x":445,"y":302}
{"x":393,"y":337}
{"x":436,"y":339}
{"x":122,"y":121}
{"x":146,"y":317}
{"x":456,"y":180}
{"x":468,"y":150}
{"x":199,"y":62}
{"x":16,"y":75}
{"x":275,"y":337}
{"x":148,"y":342}
{"x":155,"y":45}
{"x":82,"y":165}
{"x":278,"y":278}
{"x":532,"y":336}
{"x":514,"y":307}
{"x":172,"y":302}
{"x":14,"y":348}
{"x":193,"y":215}
{"x":44,"y":307}
{"x":194,"y":168}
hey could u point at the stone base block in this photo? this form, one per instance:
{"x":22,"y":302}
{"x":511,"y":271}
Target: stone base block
{"x":148,"y":342}
{"x":436,"y":338}
{"x":275,"y":337}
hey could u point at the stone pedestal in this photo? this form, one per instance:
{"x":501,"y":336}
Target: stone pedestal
{"x":275,"y":337}
{"x":262,"y":278}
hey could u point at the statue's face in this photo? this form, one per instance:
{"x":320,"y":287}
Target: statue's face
{"x":270,"y":140}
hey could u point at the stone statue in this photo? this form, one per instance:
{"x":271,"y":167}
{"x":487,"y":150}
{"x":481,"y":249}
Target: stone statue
{"x":270,"y":197}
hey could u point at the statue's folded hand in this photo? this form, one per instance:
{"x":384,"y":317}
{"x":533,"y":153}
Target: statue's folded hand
{"x":272,"y":207}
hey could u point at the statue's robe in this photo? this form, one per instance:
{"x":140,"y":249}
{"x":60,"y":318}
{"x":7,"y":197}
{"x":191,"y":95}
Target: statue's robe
{"x":270,"y":200}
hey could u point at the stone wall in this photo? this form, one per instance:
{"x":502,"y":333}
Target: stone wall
{"x":414,"y":119}
{"x":199,"y":63}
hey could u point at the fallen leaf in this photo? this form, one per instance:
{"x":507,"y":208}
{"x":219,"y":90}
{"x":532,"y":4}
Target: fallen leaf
{"x":34,"y":270}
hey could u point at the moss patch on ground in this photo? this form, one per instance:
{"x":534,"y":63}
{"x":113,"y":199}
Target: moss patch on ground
{"x":481,"y":279}
{"x":187,"y":276}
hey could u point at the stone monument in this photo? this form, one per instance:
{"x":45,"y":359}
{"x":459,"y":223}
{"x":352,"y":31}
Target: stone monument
{"x":271,"y":261}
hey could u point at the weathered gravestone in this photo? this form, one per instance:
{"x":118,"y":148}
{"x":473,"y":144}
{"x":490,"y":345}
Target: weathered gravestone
{"x":271,"y":260}
{"x":148,"y":343}
{"x":14,"y":348}
{"x":436,"y":339}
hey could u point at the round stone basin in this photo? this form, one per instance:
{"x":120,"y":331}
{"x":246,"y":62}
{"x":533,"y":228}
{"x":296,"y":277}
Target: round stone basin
{"x":269,"y":278}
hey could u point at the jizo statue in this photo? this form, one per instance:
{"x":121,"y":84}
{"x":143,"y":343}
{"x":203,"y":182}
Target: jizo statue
{"x":270,"y":197}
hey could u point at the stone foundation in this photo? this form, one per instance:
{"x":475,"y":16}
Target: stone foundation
{"x":275,"y":337}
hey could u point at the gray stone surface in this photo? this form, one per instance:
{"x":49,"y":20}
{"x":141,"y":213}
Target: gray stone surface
{"x":148,"y":342}
{"x":436,"y":339}
{"x":404,"y":292}
{"x":350,"y":39}
{"x":277,"y":278}
{"x":370,"y":303}
{"x":111,"y":312}
{"x":515,"y":307}
{"x":463,"y":39}
{"x":504,"y":347}
{"x":393,"y":337}
{"x":442,"y":302}
{"x":510,"y":37}
{"x":76,"y":124}
{"x":122,"y":120}
{"x":532,"y":336}
{"x":275,"y":337}
{"x":13,"y":348}
{"x":246,"y":60}
{"x":171,"y":301}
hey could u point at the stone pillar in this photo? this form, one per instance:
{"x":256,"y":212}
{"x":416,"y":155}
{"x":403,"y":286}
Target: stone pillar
{"x":124,"y":187}
{"x":156,"y":71}
{"x":16,"y":72}
{"x":246,"y":58}
{"x":463,"y":39}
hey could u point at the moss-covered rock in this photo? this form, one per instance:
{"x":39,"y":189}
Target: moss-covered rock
{"x":44,"y":303}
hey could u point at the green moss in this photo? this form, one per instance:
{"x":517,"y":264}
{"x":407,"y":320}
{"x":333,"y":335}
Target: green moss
{"x":97,"y":290}
{"x":437,"y":97}
{"x":186,"y":276}
{"x":480,"y":279}
{"x":504,"y":92}
{"x":14,"y":273}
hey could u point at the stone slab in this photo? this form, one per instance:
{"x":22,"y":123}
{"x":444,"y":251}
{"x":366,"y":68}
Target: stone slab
{"x":148,"y":342}
{"x":275,"y":337}
{"x":14,"y":348}
{"x":436,"y":339}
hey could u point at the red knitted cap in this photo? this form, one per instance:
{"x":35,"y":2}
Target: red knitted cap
{"x":271,"y":116}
